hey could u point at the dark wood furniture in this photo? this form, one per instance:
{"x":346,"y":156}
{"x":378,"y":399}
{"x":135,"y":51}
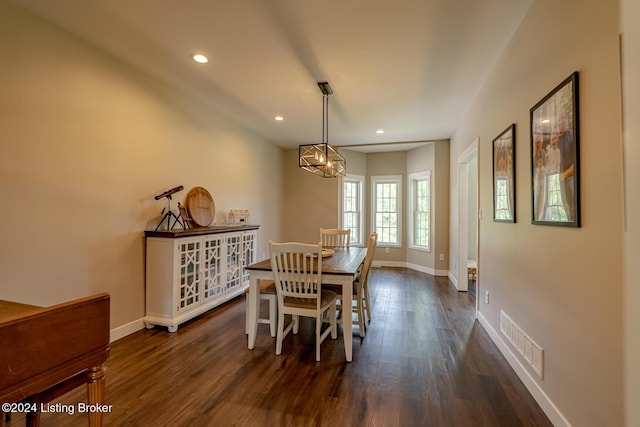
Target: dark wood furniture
{"x":47,"y":351}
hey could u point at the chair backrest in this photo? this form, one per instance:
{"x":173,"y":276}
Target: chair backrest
{"x":371,"y":248}
{"x":296,"y":270}
{"x":335,"y":237}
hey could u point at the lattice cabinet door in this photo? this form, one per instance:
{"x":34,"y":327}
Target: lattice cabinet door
{"x":234,"y":261}
{"x":248,"y":253}
{"x":213,"y":267}
{"x":189,"y":275}
{"x":189,"y":256}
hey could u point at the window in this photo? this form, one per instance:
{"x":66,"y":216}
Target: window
{"x":386,"y":197}
{"x":420,"y":211}
{"x":352,"y":212}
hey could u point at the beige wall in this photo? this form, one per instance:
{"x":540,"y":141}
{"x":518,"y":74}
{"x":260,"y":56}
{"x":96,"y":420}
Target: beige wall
{"x":440,"y":206}
{"x":356,"y":162}
{"x":310,"y":202}
{"x":87,"y":143}
{"x":563,"y":286}
{"x":420,"y":159}
{"x":630,"y":12}
{"x":433,"y":157}
{"x":391,"y":163}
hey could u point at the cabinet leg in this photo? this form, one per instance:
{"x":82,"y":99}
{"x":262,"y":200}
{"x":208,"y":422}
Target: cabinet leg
{"x":33,"y":419}
{"x":95,"y":391}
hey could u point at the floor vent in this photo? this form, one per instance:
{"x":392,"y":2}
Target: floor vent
{"x":531,"y":351}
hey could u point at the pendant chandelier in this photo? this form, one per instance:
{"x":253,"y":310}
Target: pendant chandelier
{"x":322,"y":159}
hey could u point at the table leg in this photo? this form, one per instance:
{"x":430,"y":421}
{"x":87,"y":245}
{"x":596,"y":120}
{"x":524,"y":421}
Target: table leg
{"x":253,"y":306}
{"x":347,"y":292}
{"x":95,"y":391}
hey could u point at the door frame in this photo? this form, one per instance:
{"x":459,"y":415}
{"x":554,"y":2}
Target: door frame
{"x":464,"y":211}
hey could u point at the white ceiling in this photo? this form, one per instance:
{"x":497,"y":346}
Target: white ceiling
{"x":410,"y":67}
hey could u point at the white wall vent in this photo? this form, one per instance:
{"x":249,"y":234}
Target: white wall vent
{"x":531,"y":351}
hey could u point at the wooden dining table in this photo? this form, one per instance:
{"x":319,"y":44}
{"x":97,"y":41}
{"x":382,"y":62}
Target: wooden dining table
{"x":340,"y":268}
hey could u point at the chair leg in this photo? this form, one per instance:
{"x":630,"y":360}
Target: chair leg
{"x":333,"y":321}
{"x":272,"y":316}
{"x":367,"y":302}
{"x":318,"y":329}
{"x":280,"y":334}
{"x":361,"y":315}
{"x":296,"y":324}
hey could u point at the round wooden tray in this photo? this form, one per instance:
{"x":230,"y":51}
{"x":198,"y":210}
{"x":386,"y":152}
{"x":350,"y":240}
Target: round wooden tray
{"x":200,"y":205}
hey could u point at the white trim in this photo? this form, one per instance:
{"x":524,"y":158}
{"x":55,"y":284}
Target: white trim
{"x":388,"y":263}
{"x":391,"y":179}
{"x":126,"y":329}
{"x":420,"y":268}
{"x":460,"y":269}
{"x":428,"y":270}
{"x":453,"y":280}
{"x":360,"y":179}
{"x":416,"y":267}
{"x":554,"y":414}
{"x":412,"y":179}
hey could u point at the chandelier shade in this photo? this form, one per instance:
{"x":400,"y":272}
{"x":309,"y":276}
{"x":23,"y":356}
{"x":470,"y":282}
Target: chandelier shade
{"x":322,"y":159}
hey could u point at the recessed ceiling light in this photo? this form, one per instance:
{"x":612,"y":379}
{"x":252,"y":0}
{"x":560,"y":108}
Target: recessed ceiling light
{"x":379,"y":131}
{"x":199,"y":58}
{"x":546,"y":121}
{"x":279,"y":118}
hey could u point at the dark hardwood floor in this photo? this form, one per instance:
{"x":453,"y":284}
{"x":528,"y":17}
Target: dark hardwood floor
{"x":424,"y":362}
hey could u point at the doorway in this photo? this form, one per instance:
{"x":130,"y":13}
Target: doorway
{"x":467,"y":218}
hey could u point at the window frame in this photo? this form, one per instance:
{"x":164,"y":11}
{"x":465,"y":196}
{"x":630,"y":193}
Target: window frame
{"x":359,"y":180}
{"x":382,"y":179}
{"x":414,"y":178}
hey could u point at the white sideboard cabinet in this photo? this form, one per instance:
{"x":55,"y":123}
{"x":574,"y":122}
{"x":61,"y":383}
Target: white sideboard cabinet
{"x":192,"y":271}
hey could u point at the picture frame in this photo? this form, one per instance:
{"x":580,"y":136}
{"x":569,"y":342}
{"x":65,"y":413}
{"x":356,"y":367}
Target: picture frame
{"x":555,"y":156}
{"x":504,"y":176}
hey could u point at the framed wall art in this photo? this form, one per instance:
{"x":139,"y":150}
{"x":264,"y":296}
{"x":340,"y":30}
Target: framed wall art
{"x":504,"y":176}
{"x":555,"y":143}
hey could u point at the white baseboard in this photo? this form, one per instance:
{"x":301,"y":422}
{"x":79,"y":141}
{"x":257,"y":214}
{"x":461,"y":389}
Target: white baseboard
{"x":556,"y":418}
{"x":453,"y":279}
{"x":124,"y":330}
{"x":416,"y":267}
{"x":420,"y":268}
{"x":427,"y":270}
{"x":388,"y":263}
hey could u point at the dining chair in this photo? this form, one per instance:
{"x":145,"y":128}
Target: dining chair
{"x":297,"y":270}
{"x":267,"y":293}
{"x":335,"y":237}
{"x":364,"y":276}
{"x":360,"y":291}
